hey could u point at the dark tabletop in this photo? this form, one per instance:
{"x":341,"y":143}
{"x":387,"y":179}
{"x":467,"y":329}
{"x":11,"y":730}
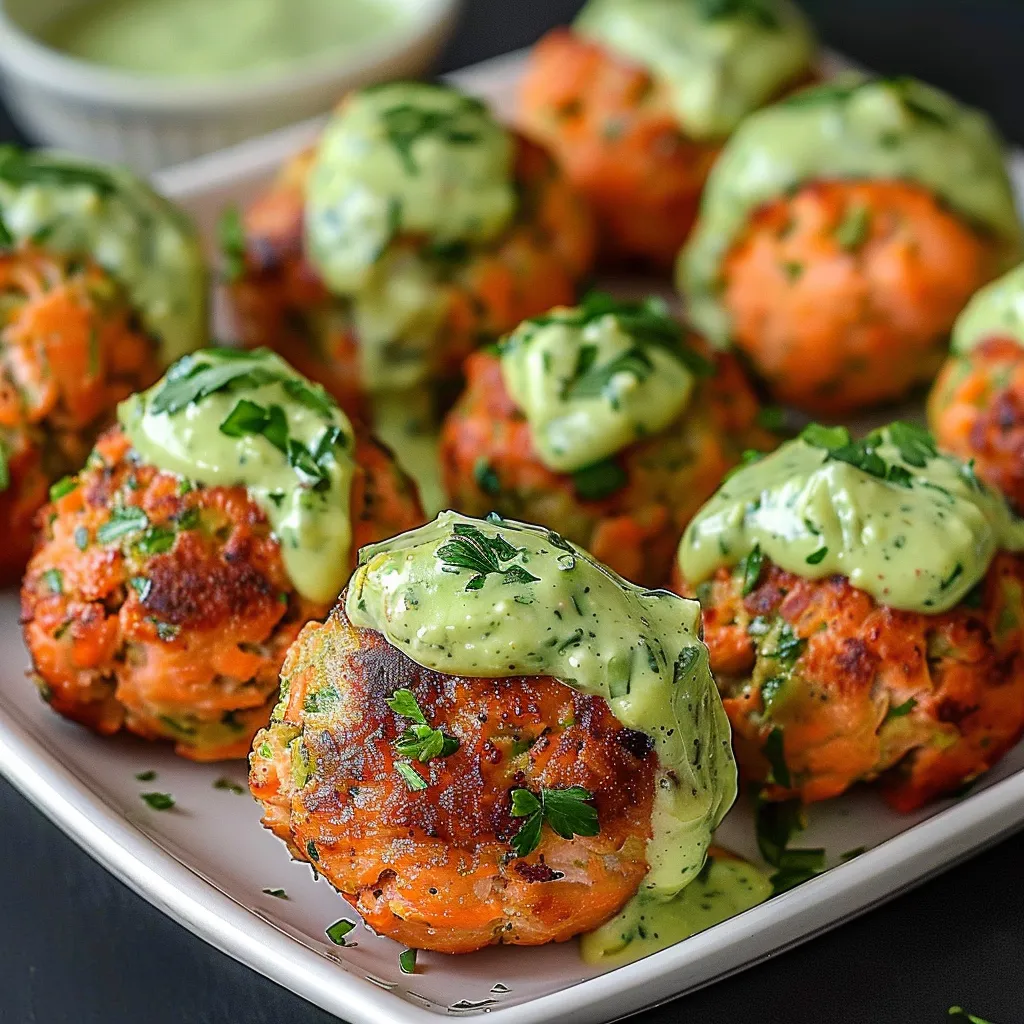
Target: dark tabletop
{"x":76,"y":947}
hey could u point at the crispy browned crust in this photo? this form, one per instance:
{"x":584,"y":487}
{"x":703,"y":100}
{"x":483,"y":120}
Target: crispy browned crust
{"x":183,"y":641}
{"x":434,"y":869}
{"x":957,"y":678}
{"x":976,"y":411}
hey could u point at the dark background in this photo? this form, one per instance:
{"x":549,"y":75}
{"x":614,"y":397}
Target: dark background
{"x":76,"y":947}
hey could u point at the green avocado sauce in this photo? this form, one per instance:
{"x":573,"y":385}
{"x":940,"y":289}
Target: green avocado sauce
{"x":996,"y":311}
{"x":596,"y":378}
{"x":227,"y":418}
{"x":498,"y":598}
{"x":852,"y":129}
{"x":725,"y":887}
{"x":207,"y":38}
{"x":913,"y":528}
{"x":69,"y":205}
{"x":404,"y":159}
{"x":720,"y":60}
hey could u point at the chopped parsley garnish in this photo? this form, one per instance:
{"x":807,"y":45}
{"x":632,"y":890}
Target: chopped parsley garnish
{"x":191,"y":379}
{"x":816,"y":557}
{"x":337,"y":931}
{"x":776,"y":825}
{"x":852,"y":230}
{"x":756,"y":10}
{"x":915,"y":446}
{"x":27,"y":167}
{"x":81,"y":538}
{"x":901,"y":710}
{"x":421,"y":740}
{"x":159,"y":801}
{"x":165,"y":630}
{"x":141,"y":586}
{"x":231,"y":241}
{"x":749,"y":569}
{"x":959,"y":1011}
{"x":486,"y":477}
{"x":566,"y":811}
{"x":648,"y":323}
{"x":775,"y":753}
{"x":249,"y":417}
{"x":123,"y":521}
{"x":311,"y":851}
{"x":229,"y":785}
{"x":156,"y":540}
{"x":599,"y":480}
{"x":147,"y":776}
{"x":471,"y":549}
{"x":278,"y":894}
{"x":407,"y":961}
{"x":404,"y":124}
{"x":54,"y":580}
{"x":63,"y":486}
{"x":412,"y":778}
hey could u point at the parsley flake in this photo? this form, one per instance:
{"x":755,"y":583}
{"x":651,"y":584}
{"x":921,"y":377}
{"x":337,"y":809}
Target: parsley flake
{"x":123,"y":521}
{"x":469,"y":548}
{"x":337,"y":931}
{"x":420,"y":741}
{"x":407,"y":961}
{"x":566,"y":811}
{"x":159,"y":801}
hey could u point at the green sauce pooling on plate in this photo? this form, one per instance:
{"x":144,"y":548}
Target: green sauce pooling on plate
{"x":725,"y":887}
{"x":500,"y":599}
{"x":721,"y":59}
{"x":69,"y":205}
{"x":403,"y":159}
{"x":208,"y":38}
{"x":996,"y":311}
{"x":222,"y":417}
{"x":913,"y":528}
{"x":860,"y":130}
{"x":595,"y":379}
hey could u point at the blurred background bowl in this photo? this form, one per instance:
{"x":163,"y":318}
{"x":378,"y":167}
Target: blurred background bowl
{"x":150,"y":121}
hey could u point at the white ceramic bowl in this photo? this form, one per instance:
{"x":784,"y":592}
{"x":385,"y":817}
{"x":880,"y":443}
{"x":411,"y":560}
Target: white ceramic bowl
{"x":150,"y":122}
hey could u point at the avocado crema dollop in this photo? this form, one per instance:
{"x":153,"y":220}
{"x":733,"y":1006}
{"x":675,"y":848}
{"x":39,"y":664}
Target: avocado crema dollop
{"x":498,"y":598}
{"x":912,"y":527}
{"x":996,"y":311}
{"x":874,"y":129}
{"x":593,"y":379}
{"x":718,"y":60}
{"x":226,"y":418}
{"x":72,"y":206}
{"x":403,"y":159}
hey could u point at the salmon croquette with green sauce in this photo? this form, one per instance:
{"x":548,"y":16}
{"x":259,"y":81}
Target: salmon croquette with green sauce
{"x":842,"y":232}
{"x":415,"y":229}
{"x":637,"y":97}
{"x":863,"y":607}
{"x":495,"y":739}
{"x":976,"y":407}
{"x":101,"y":285}
{"x":173,"y":572}
{"x":606,"y":421}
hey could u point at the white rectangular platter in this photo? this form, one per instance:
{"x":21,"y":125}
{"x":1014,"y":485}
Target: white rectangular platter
{"x":207,"y":862}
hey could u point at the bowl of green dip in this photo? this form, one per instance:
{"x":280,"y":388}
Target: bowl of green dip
{"x":150,"y":83}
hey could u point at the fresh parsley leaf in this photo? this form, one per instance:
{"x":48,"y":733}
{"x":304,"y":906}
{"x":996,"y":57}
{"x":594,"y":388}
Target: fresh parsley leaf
{"x":407,"y":961}
{"x":123,"y":521}
{"x":141,"y":585}
{"x":63,"y":486}
{"x":54,"y":580}
{"x":596,"y":381}
{"x":229,"y":785}
{"x":915,"y":444}
{"x":278,"y":894}
{"x":818,"y":436}
{"x":749,"y":569}
{"x":470,"y":548}
{"x":599,"y":480}
{"x":757,"y":11}
{"x":420,"y":741}
{"x":901,"y":710}
{"x":159,"y":801}
{"x":156,"y":540}
{"x":412,"y":778}
{"x":231,"y":241}
{"x":311,"y":851}
{"x":774,"y":751}
{"x":81,"y":538}
{"x":816,"y":557}
{"x":191,"y":378}
{"x":565,"y":811}
{"x":147,"y":776}
{"x":851,"y":232}
{"x":776,"y":824}
{"x":337,"y":931}
{"x":959,"y":1011}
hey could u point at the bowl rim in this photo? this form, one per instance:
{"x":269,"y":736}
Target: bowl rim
{"x":24,"y":55}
